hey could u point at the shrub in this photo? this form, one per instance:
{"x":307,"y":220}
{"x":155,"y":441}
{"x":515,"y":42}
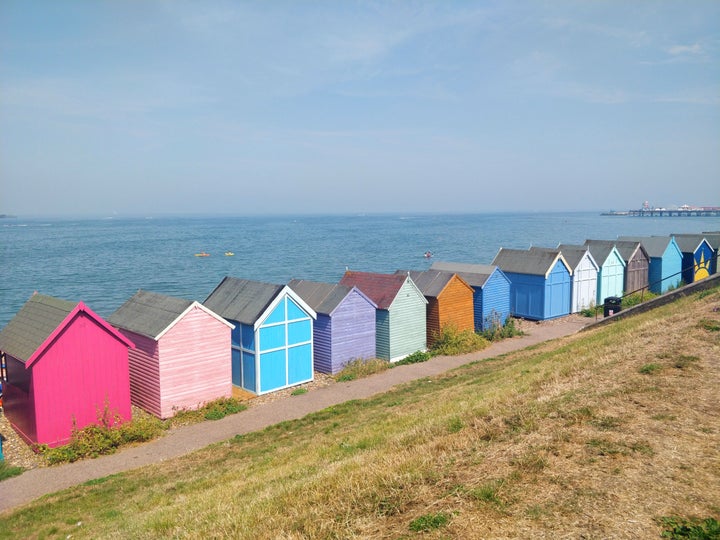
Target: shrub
{"x":450,"y":342}
{"x":495,"y":331}
{"x":637,"y":298}
{"x":414,"y":358}
{"x":220,"y":408}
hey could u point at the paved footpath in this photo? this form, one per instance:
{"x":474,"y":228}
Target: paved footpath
{"x":34,"y":483}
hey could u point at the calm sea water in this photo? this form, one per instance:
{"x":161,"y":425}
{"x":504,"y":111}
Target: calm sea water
{"x":104,"y":262}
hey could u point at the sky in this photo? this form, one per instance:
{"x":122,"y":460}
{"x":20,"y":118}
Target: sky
{"x":329,"y":107}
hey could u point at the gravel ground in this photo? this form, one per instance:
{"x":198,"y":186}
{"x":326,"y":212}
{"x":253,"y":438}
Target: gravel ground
{"x":19,"y":454}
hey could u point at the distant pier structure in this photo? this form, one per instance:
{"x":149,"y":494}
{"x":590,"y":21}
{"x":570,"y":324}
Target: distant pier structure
{"x":681,"y":211}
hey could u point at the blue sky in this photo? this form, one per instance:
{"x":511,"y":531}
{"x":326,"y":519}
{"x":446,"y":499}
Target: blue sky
{"x":155,"y":107}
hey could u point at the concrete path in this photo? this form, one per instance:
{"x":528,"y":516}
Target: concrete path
{"x":34,"y":483}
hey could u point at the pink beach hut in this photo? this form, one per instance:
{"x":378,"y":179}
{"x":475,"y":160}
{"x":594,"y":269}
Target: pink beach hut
{"x":67,"y":368}
{"x":182,"y":356}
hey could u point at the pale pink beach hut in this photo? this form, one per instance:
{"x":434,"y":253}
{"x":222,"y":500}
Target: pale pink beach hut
{"x":182,"y":356}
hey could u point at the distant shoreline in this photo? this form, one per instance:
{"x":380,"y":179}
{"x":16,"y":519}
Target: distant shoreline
{"x":663,"y":212}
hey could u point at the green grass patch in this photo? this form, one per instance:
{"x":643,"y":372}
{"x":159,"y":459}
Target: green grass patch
{"x":685,"y":361}
{"x":360,"y":368}
{"x":429,"y":522}
{"x":8,"y":471}
{"x":299,"y":392}
{"x":677,"y":528}
{"x":414,"y":358}
{"x":709,"y":325}
{"x":649,"y":369}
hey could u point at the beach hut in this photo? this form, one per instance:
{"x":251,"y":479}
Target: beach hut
{"x":345,"y":325}
{"x":272,"y":342}
{"x":400,"y":327}
{"x":665,"y":261}
{"x":611,"y":277}
{"x":713,"y":238}
{"x":540,"y":282}
{"x":66,"y":368}
{"x":450,"y":301}
{"x":181,"y":358}
{"x":583,"y":289}
{"x":637,"y":265}
{"x":491,"y":291}
{"x":699,"y":256}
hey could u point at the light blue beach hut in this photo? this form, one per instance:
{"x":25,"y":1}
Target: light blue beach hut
{"x":345,"y":327}
{"x":665,"y":261}
{"x":272,"y":343}
{"x":611,"y":276}
{"x":540,"y":282}
{"x":491,"y":291}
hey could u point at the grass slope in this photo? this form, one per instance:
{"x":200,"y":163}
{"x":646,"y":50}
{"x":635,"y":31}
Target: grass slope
{"x":599,"y":435}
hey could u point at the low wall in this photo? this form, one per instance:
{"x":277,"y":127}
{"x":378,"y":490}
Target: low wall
{"x":671,"y":296}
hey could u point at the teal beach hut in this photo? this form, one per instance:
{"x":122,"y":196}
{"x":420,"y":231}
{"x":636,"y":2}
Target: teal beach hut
{"x":665,"y":261}
{"x":272,"y":343}
{"x":611,"y":276}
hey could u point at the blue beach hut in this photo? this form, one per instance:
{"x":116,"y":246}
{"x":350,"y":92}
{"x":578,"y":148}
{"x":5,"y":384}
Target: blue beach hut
{"x":272,"y":343}
{"x":345,"y":326}
{"x":491,"y":291}
{"x":584,"y":275}
{"x":665,"y":261}
{"x":540,"y":282}
{"x":698,"y":256}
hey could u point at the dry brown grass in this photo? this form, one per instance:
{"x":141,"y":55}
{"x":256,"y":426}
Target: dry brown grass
{"x":569,"y":439}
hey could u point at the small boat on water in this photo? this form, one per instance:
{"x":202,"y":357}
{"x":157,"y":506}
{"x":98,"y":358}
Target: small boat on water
{"x":427,"y":254}
{"x":229,"y":254}
{"x":202,"y":254}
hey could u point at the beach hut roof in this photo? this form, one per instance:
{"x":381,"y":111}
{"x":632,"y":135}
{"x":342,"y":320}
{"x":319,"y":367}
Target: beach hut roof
{"x":39,"y":321}
{"x":152,"y":314}
{"x":380,"y":288}
{"x":242,"y":300}
{"x":655,"y":246}
{"x":475,"y":275}
{"x":628,"y":249}
{"x":601,"y":249}
{"x":574,"y":254}
{"x":245,"y":300}
{"x":432,"y":282}
{"x":521,"y":261}
{"x":323,"y":297}
{"x":689,"y":243}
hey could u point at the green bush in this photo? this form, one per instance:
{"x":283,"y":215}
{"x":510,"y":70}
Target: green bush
{"x":414,"y":358}
{"x":451,"y":342}
{"x":495,"y":331}
{"x":359,"y":368}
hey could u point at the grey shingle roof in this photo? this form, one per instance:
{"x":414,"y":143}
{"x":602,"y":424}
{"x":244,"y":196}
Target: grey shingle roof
{"x":33,"y":324}
{"x":148,"y":313}
{"x":600,"y":249}
{"x":431,"y":282}
{"x":531,"y":262}
{"x":574,"y":254}
{"x":628,"y":248}
{"x":322,"y":297}
{"x":654,"y":245}
{"x":241,"y":300}
{"x":475,"y":275}
{"x":688,"y":243}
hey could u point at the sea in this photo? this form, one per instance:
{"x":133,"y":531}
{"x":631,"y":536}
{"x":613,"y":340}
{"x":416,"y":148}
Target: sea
{"x":103,"y":262}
